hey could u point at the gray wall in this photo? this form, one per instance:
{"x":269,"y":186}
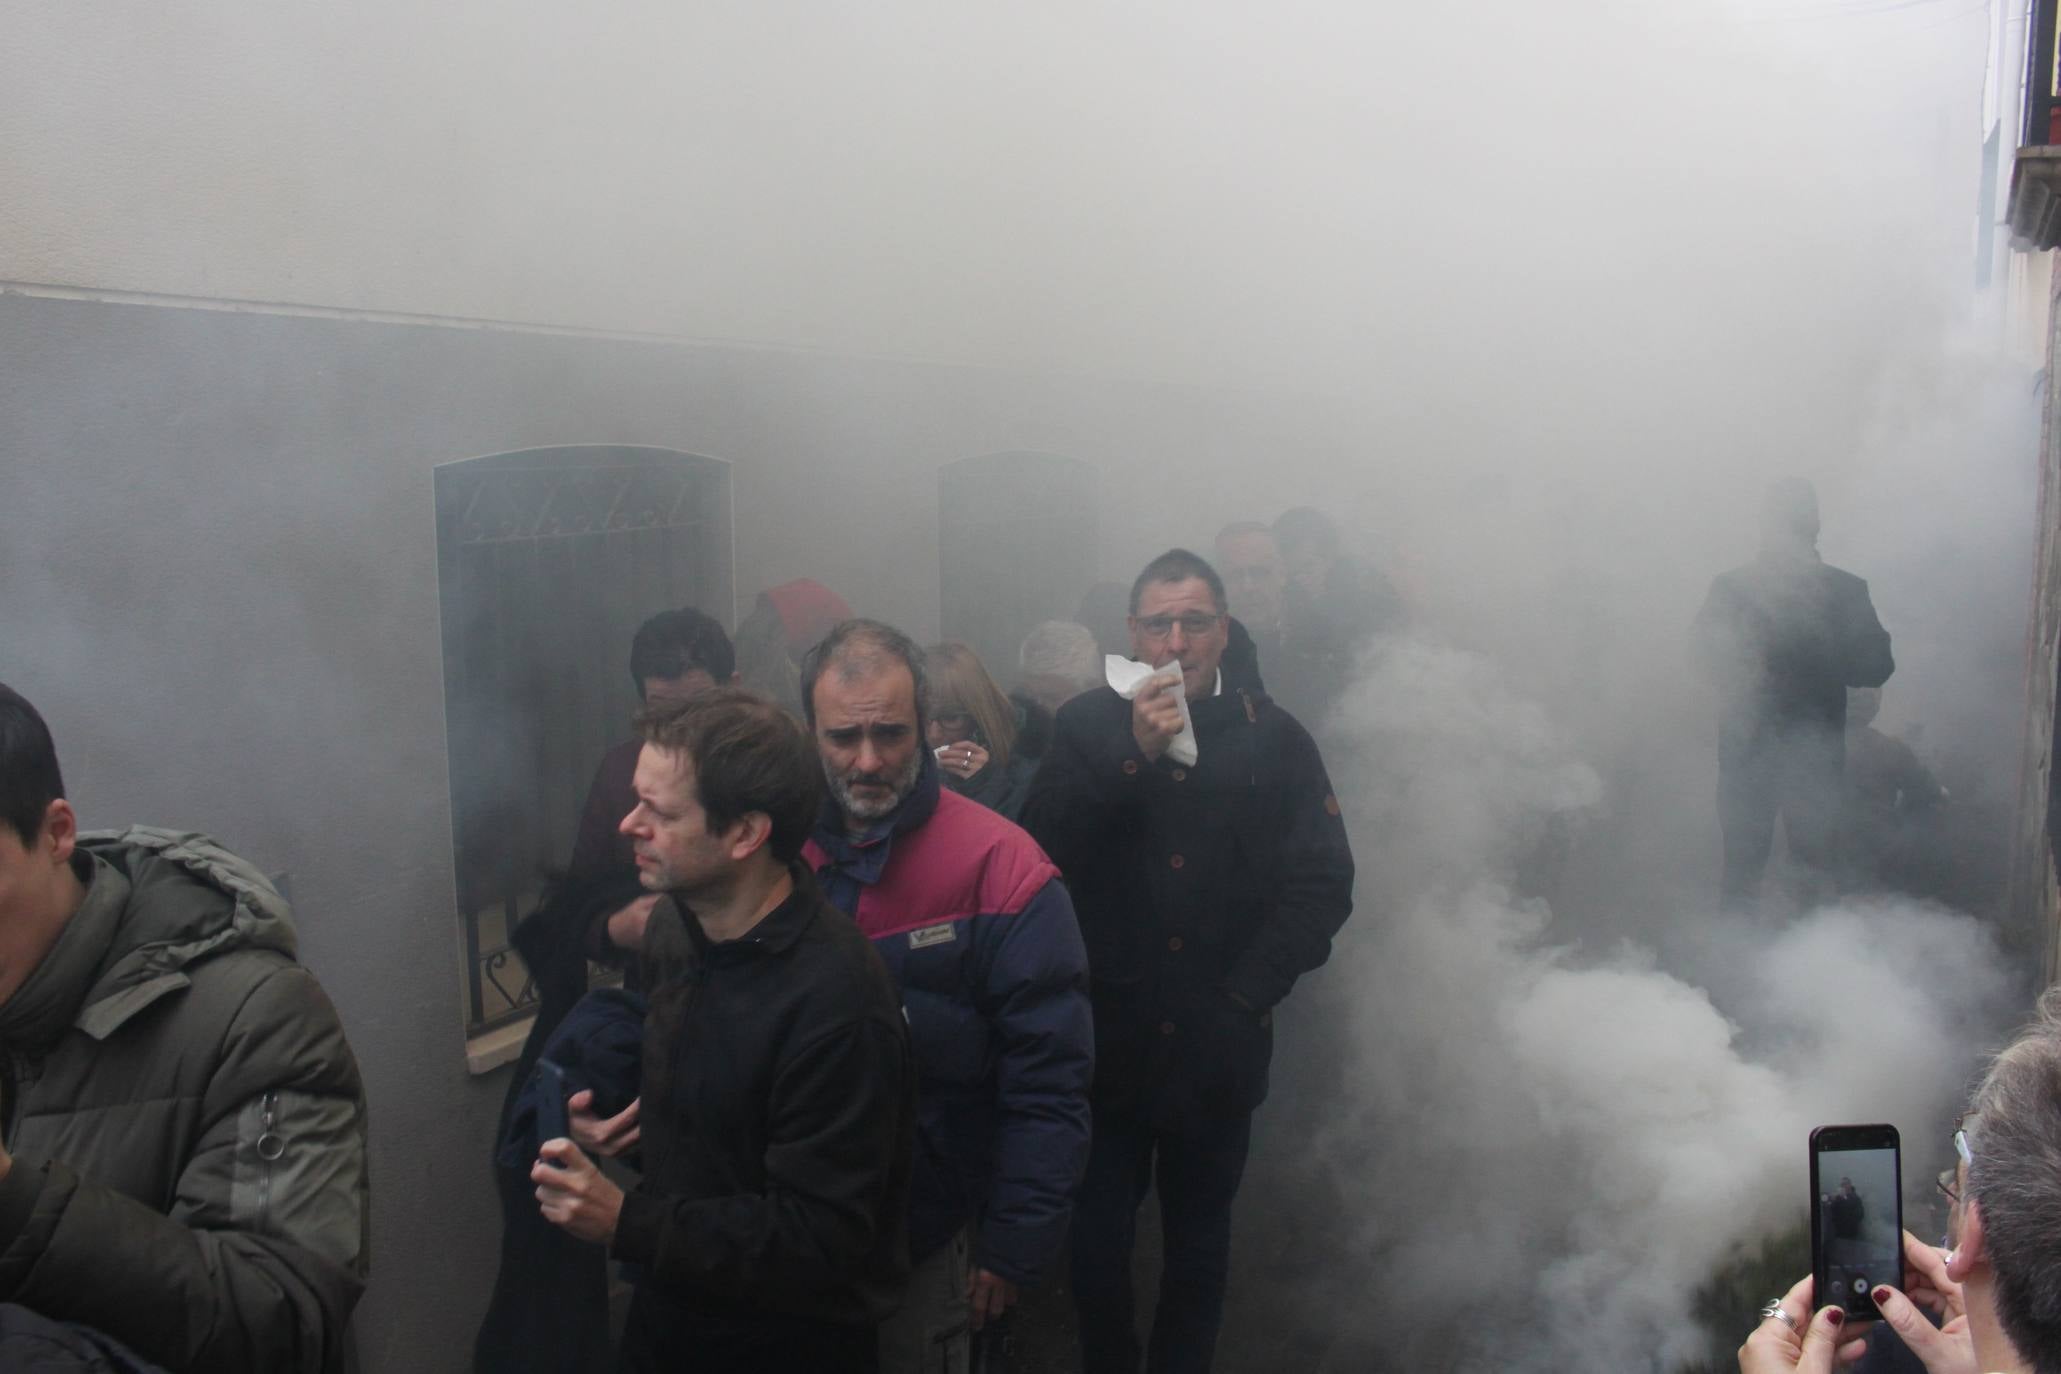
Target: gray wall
{"x":218,"y":580}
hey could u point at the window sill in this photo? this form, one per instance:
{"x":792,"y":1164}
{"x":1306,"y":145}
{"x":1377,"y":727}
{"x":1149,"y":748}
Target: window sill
{"x":501,"y":1045}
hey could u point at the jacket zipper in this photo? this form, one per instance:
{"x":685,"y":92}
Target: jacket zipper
{"x":270,"y":1146}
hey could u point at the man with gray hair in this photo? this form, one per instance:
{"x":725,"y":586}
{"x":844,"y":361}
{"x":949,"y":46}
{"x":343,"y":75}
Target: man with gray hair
{"x":1999,"y":1287}
{"x":1058,"y":661}
{"x":979,"y":935}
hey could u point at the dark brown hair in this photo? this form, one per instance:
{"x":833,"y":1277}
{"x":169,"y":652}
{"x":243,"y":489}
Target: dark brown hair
{"x":747,"y":755}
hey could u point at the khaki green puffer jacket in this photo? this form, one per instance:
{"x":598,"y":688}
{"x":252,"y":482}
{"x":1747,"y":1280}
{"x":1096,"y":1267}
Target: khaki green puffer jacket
{"x":185,"y":1118}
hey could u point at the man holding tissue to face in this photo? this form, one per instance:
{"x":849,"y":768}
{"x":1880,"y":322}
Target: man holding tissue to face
{"x":1198,"y":832}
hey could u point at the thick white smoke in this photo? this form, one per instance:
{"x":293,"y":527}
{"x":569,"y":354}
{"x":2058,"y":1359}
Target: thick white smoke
{"x":1548,"y":1148}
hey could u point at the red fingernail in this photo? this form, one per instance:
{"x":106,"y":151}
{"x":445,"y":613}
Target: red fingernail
{"x":1838,"y":1315}
{"x":1881,"y":1294}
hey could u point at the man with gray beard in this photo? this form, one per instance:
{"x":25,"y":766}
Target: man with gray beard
{"x":979,"y":934}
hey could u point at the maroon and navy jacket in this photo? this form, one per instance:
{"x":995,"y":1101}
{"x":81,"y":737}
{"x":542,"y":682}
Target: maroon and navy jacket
{"x":979,"y":935}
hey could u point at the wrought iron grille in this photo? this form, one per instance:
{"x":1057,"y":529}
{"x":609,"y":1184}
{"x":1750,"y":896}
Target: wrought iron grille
{"x":547,"y":561}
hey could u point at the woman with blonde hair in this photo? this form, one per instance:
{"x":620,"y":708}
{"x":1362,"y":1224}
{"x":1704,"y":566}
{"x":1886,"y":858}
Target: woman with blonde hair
{"x":976,"y":731}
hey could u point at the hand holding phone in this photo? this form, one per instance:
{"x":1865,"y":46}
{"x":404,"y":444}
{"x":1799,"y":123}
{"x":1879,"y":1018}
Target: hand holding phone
{"x":552,"y":1121}
{"x":1857,"y":1215}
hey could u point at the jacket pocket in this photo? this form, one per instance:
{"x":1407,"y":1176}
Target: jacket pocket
{"x":299,"y":1172}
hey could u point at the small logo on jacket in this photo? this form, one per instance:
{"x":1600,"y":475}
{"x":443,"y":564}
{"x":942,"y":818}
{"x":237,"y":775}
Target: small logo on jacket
{"x":933,"y":935}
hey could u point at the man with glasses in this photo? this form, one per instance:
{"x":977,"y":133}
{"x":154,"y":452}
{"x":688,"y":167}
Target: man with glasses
{"x":1997,"y":1290}
{"x":1204,"y":890}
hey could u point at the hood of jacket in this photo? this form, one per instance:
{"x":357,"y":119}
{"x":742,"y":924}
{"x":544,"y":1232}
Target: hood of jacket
{"x":157,"y":903}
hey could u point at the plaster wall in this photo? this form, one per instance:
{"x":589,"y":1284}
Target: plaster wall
{"x":772,"y":172}
{"x":2035,"y":896}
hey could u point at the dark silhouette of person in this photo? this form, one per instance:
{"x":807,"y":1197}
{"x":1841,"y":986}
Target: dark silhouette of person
{"x":1845,"y":1211}
{"x":1893,"y":806}
{"x":1340,"y":601}
{"x":1783,"y":638}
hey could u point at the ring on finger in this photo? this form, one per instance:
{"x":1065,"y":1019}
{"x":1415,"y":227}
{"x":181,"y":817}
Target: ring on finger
{"x":1775,"y":1310}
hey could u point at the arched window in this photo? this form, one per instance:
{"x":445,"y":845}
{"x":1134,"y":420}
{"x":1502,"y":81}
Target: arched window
{"x":547,"y":561}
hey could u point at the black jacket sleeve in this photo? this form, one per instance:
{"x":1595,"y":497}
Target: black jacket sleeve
{"x":836,"y":1127}
{"x":1312,"y":879}
{"x":1091,"y":784}
{"x":1868,"y":662}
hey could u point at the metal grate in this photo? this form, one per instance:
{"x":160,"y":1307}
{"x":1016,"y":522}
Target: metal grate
{"x":547,"y":561}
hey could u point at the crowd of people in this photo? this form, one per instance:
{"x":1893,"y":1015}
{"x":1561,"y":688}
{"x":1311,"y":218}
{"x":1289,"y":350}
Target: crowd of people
{"x":926,"y":984}
{"x":1086,"y":908}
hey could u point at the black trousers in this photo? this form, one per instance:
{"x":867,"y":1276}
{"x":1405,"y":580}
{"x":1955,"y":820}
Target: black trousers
{"x":1197,"y":1173}
{"x":1798,"y":775}
{"x":662,"y":1337}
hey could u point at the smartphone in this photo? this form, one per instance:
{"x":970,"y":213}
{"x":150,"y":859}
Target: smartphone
{"x":552,"y":1123}
{"x":1857,"y":1214}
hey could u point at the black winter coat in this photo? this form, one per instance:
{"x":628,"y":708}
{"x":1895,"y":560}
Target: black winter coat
{"x":778,"y":1118}
{"x":1784,"y":637}
{"x":1203,"y":893}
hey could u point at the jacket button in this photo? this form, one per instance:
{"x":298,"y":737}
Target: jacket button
{"x":1180,"y":775}
{"x":1177,"y":861}
{"x":1174,"y":944}
{"x":1130,"y":767}
{"x":1166,"y":1028}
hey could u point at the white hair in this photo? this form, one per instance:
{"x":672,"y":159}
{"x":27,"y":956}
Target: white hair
{"x":1061,"y":649}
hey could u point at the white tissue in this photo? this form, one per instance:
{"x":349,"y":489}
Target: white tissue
{"x":1128,"y":677}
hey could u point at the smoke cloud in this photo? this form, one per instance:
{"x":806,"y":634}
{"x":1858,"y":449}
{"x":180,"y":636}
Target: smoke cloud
{"x":1548,"y":1144}
{"x":1533,"y":298}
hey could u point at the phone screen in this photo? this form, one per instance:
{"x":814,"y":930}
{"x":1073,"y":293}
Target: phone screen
{"x":1857,"y":1218}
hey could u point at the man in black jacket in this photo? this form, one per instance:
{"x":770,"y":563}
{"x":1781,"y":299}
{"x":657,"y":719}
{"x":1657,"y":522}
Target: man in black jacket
{"x":549,"y":1310}
{"x":778,"y":1097}
{"x":1783,"y":638}
{"x":1204,"y":891}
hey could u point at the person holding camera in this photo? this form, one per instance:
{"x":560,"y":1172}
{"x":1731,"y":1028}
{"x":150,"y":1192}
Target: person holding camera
{"x":1994,"y":1292}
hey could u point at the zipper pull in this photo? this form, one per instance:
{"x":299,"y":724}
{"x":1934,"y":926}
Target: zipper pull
{"x":271,"y":1145}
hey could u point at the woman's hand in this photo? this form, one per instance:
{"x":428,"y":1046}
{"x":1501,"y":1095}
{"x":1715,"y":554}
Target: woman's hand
{"x":1946,"y":1349}
{"x":963,"y":759}
{"x":1775,"y":1348}
{"x":1926,"y":1282}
